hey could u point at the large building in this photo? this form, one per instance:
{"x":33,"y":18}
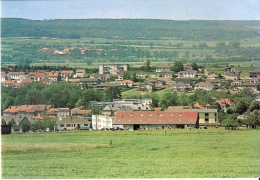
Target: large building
{"x":113,"y":69}
{"x":135,"y":120}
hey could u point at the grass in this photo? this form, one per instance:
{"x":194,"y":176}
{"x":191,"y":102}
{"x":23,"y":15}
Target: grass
{"x":196,"y":153}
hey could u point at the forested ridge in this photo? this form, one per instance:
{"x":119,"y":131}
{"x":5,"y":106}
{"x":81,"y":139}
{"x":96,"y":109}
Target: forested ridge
{"x":130,"y":29}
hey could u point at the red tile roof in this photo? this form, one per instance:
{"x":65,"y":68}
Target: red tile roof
{"x":225,"y":101}
{"x":80,"y":70}
{"x":39,"y":75}
{"x":16,"y":73}
{"x":155,"y":117}
{"x":53,"y":74}
{"x":9,"y":82}
{"x":26,"y":108}
{"x":66,"y":72}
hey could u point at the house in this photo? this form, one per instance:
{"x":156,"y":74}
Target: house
{"x":80,"y":73}
{"x":236,"y":82}
{"x":212,"y":75}
{"x":254,"y":86}
{"x":111,"y":109}
{"x":232,"y":74}
{"x":55,"y":76}
{"x":113,"y":69}
{"x":225,"y":103}
{"x":80,"y":112}
{"x":16,"y":122}
{"x":127,"y":83}
{"x":102,"y":122}
{"x":183,"y":80}
{"x":5,"y":77}
{"x":187,"y":66}
{"x":180,"y":87}
{"x":163,"y":68}
{"x":66,"y":73}
{"x":141,"y":75}
{"x":47,"y":81}
{"x":205,"y":86}
{"x":102,"y":77}
{"x":207,"y":117}
{"x":216,"y":82}
{"x":32,"y":110}
{"x":104,"y":86}
{"x":254,"y":73}
{"x":147,"y":87}
{"x":156,"y":119}
{"x":26,"y":81}
{"x":39,"y":76}
{"x":158,"y":82}
{"x":187,"y":74}
{"x":74,"y":123}
{"x":63,"y":112}
{"x":254,"y":80}
{"x":9,"y":83}
{"x":89,"y":82}
{"x":166,"y":74}
{"x":16,"y":75}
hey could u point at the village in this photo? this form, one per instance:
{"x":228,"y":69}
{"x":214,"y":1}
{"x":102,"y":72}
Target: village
{"x":129,"y":114}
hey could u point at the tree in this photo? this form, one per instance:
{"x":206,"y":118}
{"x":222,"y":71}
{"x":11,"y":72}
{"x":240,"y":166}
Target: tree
{"x":234,"y":44}
{"x":177,"y":66}
{"x":112,"y":93}
{"x":221,"y":45}
{"x":26,"y":126}
{"x":183,"y":99}
{"x":49,"y":123}
{"x":195,"y":66}
{"x":187,"y":54}
{"x":229,"y":110}
{"x":203,"y":45}
{"x":168,"y":99}
{"x":240,"y":107}
{"x":147,"y":65}
{"x":254,"y":105}
{"x":230,"y":122}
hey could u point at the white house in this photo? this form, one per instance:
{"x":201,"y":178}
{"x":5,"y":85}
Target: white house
{"x":101,"y":122}
{"x":80,"y":73}
{"x":73,"y":123}
{"x":187,"y":74}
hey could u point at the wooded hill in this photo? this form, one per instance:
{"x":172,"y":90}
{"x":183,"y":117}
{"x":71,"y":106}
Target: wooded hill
{"x":130,"y":29}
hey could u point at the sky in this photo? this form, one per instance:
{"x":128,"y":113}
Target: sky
{"x":133,"y":9}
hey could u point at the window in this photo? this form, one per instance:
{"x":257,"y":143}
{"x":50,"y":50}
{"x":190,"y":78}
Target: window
{"x":67,"y":125}
{"x":61,"y":125}
{"x":85,"y":124}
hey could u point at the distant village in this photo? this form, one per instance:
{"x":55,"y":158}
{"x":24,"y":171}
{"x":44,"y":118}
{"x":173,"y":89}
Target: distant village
{"x":129,"y":114}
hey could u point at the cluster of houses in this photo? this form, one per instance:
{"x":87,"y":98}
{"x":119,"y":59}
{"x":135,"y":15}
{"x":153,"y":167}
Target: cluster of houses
{"x":128,"y":114}
{"x":185,"y":81}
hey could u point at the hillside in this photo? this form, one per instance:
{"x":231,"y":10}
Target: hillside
{"x":130,"y":29}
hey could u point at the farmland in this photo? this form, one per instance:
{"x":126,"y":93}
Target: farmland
{"x":196,"y":153}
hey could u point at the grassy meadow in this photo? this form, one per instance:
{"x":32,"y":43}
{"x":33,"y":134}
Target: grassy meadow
{"x":196,"y":153}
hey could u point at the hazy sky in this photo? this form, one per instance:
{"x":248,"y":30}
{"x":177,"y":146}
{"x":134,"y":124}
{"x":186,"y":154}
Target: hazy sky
{"x":152,"y":9}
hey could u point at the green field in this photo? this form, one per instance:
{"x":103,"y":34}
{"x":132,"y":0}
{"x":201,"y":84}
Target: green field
{"x":196,"y":153}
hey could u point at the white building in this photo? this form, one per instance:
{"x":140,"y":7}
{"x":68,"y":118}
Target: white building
{"x":99,"y":122}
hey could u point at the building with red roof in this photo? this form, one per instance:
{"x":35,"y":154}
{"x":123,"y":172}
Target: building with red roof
{"x":225,"y":103}
{"x":134,"y":120}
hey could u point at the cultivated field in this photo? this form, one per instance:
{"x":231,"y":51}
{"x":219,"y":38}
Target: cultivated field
{"x":196,"y":153}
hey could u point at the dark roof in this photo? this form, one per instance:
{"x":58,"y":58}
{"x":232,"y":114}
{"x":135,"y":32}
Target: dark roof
{"x":155,"y":117}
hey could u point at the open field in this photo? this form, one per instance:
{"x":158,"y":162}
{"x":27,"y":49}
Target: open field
{"x":183,"y":153}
